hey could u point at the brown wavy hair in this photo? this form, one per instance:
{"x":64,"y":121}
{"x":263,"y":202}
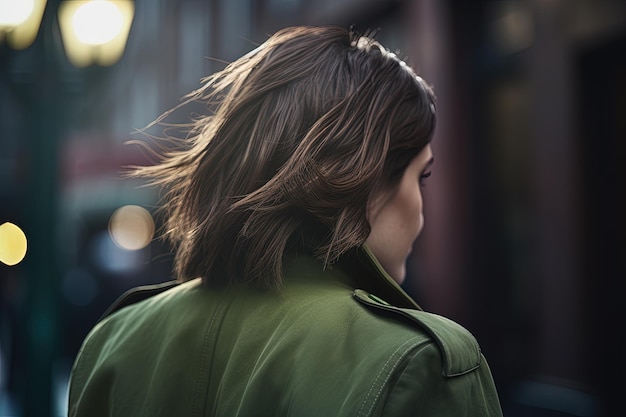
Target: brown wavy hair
{"x":301,"y":133}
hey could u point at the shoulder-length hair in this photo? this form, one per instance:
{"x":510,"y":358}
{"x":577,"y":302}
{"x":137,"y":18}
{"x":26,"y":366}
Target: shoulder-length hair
{"x":302,"y":132}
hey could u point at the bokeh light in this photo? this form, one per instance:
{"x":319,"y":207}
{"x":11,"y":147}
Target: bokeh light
{"x":12,"y":244}
{"x":96,"y":31}
{"x":97,"y":22}
{"x":131,"y":227}
{"x":20,"y":21}
{"x":14,"y":13}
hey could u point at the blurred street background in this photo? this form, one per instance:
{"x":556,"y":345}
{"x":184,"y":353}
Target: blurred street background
{"x":525,"y":216}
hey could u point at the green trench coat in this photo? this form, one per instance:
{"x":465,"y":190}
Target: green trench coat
{"x":324,"y":345}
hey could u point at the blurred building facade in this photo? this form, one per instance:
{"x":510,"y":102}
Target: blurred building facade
{"x":524,"y":229}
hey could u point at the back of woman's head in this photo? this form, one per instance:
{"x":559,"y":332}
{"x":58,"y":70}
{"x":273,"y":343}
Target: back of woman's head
{"x":302,"y":132}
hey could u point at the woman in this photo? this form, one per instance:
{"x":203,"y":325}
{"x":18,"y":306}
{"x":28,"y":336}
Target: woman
{"x":292,"y":207}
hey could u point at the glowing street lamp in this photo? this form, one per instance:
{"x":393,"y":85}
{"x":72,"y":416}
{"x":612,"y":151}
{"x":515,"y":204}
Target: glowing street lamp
{"x":15,"y":13}
{"x":95,"y":31}
{"x":20,"y":21}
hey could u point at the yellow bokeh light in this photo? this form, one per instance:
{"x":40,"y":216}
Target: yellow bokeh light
{"x":95,"y":31}
{"x":131,"y":227}
{"x":12,"y":244}
{"x":19,"y":21}
{"x":14,"y":13}
{"x":97,"y":22}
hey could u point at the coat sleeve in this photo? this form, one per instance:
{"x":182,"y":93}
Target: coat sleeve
{"x":422,"y":389}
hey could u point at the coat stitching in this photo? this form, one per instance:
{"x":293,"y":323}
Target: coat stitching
{"x":399,"y":358}
{"x":199,"y":384}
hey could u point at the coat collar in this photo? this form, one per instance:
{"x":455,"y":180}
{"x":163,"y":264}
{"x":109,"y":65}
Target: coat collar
{"x":369,"y":275}
{"x":358,"y":269}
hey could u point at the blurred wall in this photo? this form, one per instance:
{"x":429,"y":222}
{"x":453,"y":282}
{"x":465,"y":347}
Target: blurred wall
{"x":524,"y":233}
